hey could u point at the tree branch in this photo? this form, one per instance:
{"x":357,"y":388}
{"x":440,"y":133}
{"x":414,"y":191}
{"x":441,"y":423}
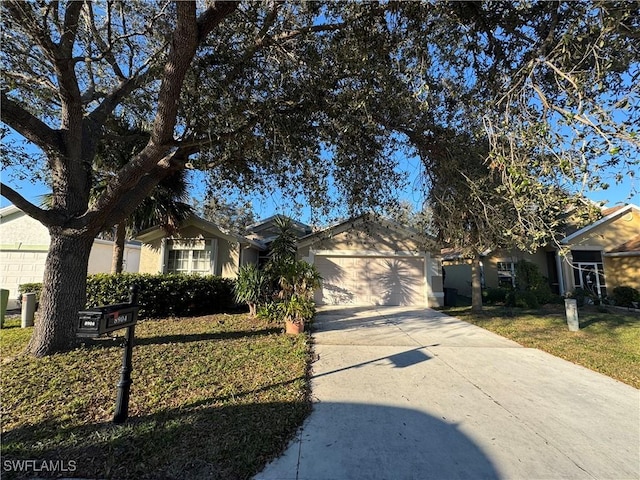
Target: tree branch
{"x":29,"y":126}
{"x":46,"y":217}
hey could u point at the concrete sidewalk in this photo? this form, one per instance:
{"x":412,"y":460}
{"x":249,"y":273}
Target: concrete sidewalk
{"x":414,"y":394}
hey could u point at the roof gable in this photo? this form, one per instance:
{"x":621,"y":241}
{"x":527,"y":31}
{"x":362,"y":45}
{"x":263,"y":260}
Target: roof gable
{"x":211,"y":228}
{"x":362,"y":222}
{"x":614,"y":213}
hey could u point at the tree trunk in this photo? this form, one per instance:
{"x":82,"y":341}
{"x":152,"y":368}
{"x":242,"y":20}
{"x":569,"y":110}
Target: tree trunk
{"x":118,"y":248}
{"x":476,"y":285}
{"x":63,"y":294}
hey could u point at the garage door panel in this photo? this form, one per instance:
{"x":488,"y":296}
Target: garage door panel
{"x":370,"y":280}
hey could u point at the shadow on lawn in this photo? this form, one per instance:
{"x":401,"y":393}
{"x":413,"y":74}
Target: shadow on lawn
{"x":203,"y":440}
{"x":110,"y":342}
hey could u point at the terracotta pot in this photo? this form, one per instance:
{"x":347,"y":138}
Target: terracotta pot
{"x":293,"y":328}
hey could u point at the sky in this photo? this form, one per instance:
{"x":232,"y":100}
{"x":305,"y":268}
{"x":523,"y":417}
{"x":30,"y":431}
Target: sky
{"x":267,"y":205}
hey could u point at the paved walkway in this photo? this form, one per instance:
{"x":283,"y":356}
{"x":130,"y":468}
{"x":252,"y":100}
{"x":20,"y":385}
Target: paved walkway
{"x":412,"y":394}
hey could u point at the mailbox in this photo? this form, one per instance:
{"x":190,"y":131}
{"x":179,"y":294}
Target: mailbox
{"x":107,"y":318}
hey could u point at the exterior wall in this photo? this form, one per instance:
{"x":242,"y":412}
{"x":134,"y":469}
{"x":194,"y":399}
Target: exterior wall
{"x":618,"y":270}
{"x":372,"y":239}
{"x":366,"y":237}
{"x":610,"y":234}
{"x":227,"y":253}
{"x":20,"y":229}
{"x":25,"y":244}
{"x":150,"y":257}
{"x":622,"y":271}
{"x":101,"y":256}
{"x":490,"y":264}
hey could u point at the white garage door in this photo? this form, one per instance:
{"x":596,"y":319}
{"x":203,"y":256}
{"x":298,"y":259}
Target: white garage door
{"x":19,"y":267}
{"x":351,"y":280}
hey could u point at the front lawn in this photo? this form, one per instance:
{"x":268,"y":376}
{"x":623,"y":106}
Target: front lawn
{"x":608,"y":341}
{"x":213,"y":397}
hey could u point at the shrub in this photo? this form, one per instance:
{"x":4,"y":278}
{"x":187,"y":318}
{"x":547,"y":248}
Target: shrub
{"x":164,"y":294}
{"x":495,"y":295}
{"x":522,"y":299}
{"x":251,"y":287}
{"x":624,"y":296}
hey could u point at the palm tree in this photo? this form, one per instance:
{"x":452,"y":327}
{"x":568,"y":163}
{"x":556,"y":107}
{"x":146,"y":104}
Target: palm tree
{"x":166,"y":206}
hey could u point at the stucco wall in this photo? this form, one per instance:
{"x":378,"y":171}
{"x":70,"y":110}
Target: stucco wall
{"x":612,"y":233}
{"x":365,"y":237}
{"x":622,"y":271}
{"x":490,"y":264}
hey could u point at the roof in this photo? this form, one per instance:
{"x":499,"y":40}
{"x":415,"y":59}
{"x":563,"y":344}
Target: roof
{"x":153,"y":233}
{"x":261,"y":230}
{"x":630,"y":247}
{"x":613,"y":213}
{"x":10,"y":210}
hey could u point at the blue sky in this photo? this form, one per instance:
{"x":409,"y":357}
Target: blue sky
{"x":270,"y":204}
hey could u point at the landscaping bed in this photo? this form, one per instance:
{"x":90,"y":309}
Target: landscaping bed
{"x":608,"y":341}
{"x":213,"y":397}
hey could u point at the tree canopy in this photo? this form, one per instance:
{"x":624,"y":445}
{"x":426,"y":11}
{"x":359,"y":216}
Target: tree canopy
{"x":304,"y":95}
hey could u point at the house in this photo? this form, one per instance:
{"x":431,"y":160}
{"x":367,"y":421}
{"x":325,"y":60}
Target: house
{"x":24,"y":244}
{"x":199,"y":247}
{"x":598,"y":257}
{"x":369,"y":261}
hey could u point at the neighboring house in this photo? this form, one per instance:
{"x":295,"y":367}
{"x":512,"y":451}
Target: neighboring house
{"x":599,"y":257}
{"x":24,"y":244}
{"x":364,"y":261}
{"x":199,"y":247}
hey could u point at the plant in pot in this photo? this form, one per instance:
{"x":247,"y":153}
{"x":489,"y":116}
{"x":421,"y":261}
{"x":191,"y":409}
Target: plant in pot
{"x":295,"y":311}
{"x":297,"y":282}
{"x":251,"y":286}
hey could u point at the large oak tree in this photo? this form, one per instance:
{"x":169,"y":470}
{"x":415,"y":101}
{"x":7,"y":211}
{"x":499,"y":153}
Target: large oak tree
{"x":298,"y":96}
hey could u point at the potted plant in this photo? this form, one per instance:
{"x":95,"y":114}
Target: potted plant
{"x":295,"y":311}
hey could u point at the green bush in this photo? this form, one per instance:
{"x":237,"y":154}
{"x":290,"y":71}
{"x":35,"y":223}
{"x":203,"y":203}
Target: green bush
{"x":164,"y":295}
{"x":495,"y":295}
{"x":522,"y":299}
{"x":624,"y":296}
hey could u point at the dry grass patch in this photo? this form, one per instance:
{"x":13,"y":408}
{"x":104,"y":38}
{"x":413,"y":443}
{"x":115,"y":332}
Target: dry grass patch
{"x":608,"y":341}
{"x":213,"y":397}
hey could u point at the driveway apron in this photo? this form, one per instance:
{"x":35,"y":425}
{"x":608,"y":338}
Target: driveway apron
{"x":405,"y":393}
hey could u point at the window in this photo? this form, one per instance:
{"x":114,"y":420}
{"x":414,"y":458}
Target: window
{"x":506,"y":274}
{"x":192,"y":255}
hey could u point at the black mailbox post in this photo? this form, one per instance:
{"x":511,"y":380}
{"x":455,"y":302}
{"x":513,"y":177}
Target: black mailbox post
{"x":107,"y":318}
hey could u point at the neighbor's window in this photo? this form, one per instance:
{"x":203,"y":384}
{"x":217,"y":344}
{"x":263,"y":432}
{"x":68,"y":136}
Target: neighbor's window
{"x":190,"y":256}
{"x":506,"y":274}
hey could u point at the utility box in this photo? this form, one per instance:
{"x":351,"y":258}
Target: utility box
{"x":107,"y":318}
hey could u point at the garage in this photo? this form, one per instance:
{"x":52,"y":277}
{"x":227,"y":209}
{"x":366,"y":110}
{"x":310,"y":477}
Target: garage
{"x":370,"y":260}
{"x":371,"y":280}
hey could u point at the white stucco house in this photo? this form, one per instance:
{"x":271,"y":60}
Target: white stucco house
{"x":24,"y":243}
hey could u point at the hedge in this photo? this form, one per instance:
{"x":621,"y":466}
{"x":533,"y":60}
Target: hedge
{"x":163,"y":295}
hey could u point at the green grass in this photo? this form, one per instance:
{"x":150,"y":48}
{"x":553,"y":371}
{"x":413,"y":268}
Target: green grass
{"x":213,"y":397}
{"x":608,"y":341}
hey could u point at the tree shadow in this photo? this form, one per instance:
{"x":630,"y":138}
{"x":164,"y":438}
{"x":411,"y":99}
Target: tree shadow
{"x":397,"y":285}
{"x":114,"y":341}
{"x":203,"y":440}
{"x":363,"y":441}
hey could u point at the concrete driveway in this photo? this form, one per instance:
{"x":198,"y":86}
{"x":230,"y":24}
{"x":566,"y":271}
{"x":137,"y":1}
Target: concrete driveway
{"x":402,"y":393}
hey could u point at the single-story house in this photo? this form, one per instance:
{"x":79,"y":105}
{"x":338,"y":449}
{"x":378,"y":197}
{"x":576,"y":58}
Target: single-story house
{"x":362,"y":261}
{"x":599,"y":257}
{"x":24,"y":244}
{"x":199,"y":247}
{"x":368,"y":261}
